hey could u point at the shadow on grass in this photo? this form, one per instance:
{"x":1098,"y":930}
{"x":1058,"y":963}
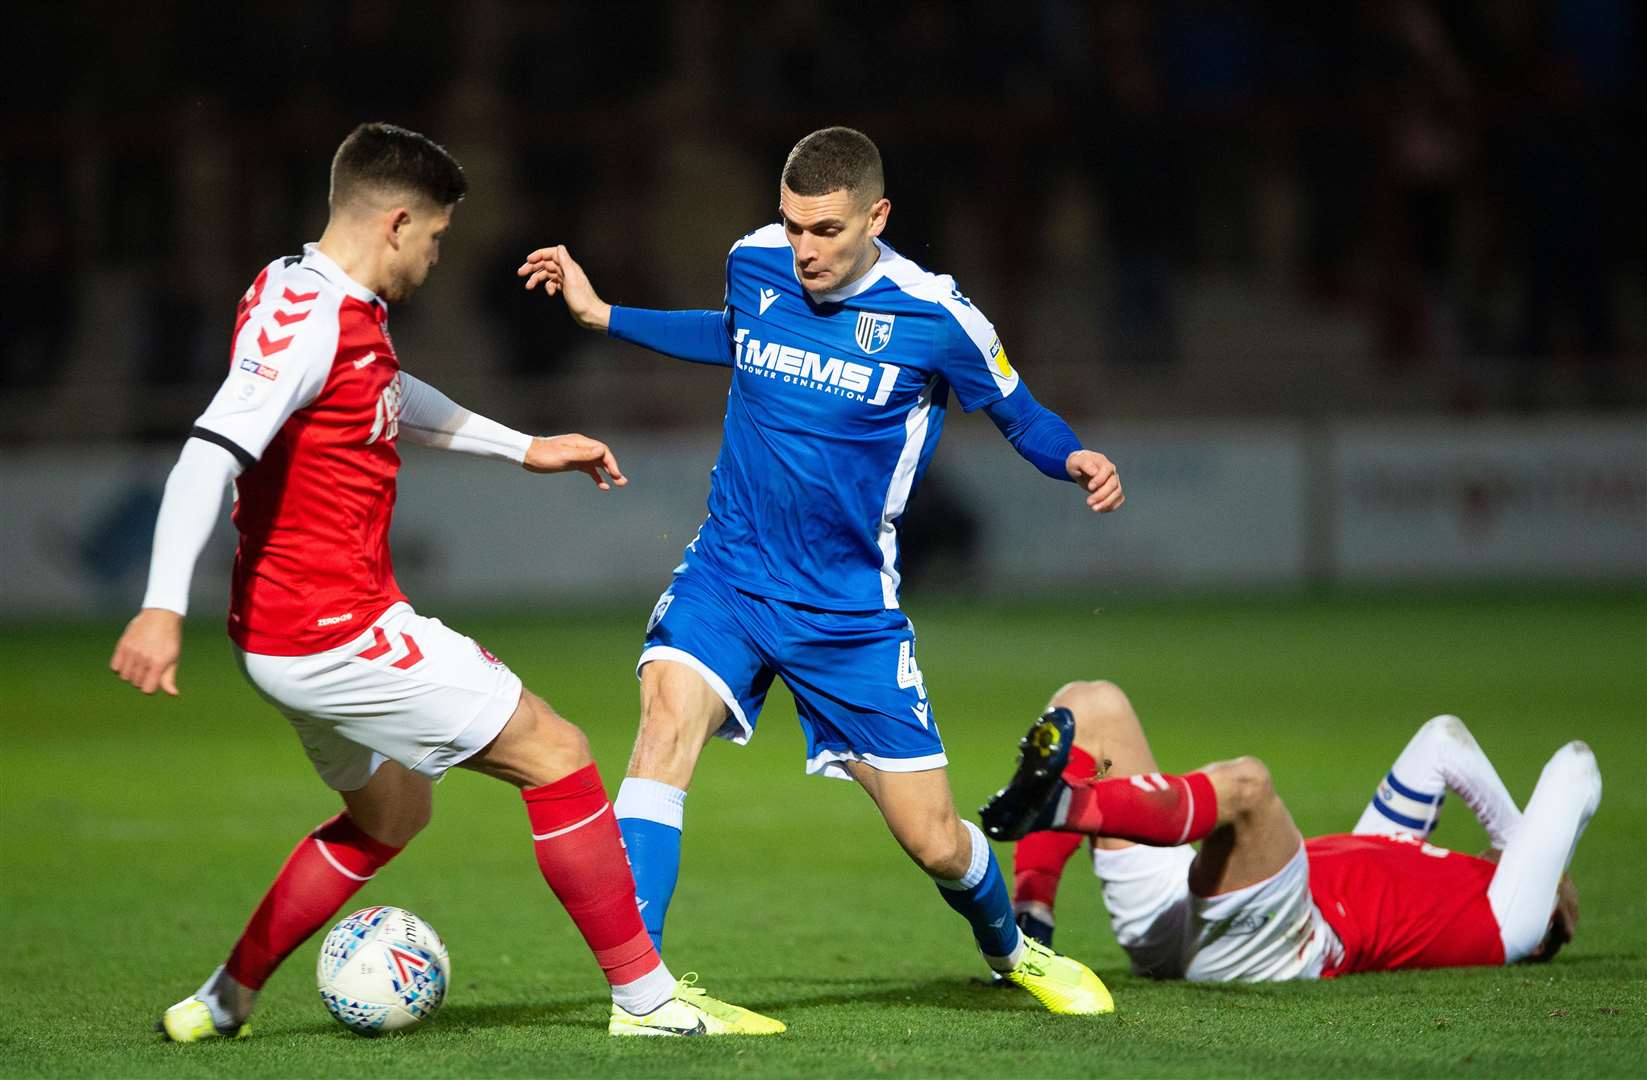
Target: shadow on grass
{"x":466,"y":1018}
{"x":974,"y":995}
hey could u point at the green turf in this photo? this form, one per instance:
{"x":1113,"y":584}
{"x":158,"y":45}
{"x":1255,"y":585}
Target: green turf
{"x":135,"y":834}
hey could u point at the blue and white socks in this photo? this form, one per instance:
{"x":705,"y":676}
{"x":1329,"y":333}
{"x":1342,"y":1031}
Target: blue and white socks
{"x":980,"y":896}
{"x":1441,"y":756}
{"x":650,"y":814}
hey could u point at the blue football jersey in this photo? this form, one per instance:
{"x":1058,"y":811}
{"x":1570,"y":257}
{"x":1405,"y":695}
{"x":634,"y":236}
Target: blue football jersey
{"x":835,"y":408}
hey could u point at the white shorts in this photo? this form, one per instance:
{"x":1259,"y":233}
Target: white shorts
{"x":408,"y":689}
{"x":1266,"y":932}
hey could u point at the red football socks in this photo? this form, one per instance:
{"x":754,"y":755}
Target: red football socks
{"x":580,"y":853}
{"x":326,"y":868}
{"x":1148,"y":809}
{"x":1039,"y":859}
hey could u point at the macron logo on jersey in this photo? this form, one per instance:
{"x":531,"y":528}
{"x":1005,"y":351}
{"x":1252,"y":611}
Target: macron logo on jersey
{"x":845,"y":378}
{"x":768,"y":298}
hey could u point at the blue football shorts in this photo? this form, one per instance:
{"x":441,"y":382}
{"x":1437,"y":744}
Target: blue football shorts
{"x":858,"y":690}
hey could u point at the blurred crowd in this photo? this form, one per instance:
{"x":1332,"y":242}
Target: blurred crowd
{"x":1185,"y":193}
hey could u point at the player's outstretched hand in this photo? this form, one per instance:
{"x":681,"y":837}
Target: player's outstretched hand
{"x":147,"y":653}
{"x":556,"y":270}
{"x":565,"y":453}
{"x":1097,"y":474}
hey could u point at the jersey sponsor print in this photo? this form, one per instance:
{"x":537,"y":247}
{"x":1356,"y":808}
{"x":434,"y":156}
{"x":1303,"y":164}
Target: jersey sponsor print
{"x":835,"y":407}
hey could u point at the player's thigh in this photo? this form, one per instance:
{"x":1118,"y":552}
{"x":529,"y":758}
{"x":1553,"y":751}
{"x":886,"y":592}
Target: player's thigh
{"x":408,"y":689}
{"x":859,"y":693}
{"x":702,"y":671}
{"x":1256,"y":836}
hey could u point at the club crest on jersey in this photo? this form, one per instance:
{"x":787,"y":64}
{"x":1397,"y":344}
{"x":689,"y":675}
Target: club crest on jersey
{"x":386,"y":422}
{"x":874,"y":331}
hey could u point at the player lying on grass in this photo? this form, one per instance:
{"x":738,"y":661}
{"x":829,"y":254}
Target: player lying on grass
{"x":1259,"y":902}
{"x":383,"y":699}
{"x":843,"y":355}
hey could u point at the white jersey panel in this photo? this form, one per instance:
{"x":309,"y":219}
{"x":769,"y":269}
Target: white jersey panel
{"x":281,"y":360}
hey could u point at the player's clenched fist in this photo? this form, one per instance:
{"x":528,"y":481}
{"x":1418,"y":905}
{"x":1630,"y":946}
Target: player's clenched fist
{"x":565,"y":453}
{"x":556,"y":270}
{"x":1097,"y":474}
{"x":146,"y":654}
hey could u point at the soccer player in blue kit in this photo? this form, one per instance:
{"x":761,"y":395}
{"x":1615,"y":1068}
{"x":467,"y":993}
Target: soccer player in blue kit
{"x":843,"y":354}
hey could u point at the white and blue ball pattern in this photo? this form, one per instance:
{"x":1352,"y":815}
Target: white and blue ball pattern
{"x":382,"y":969}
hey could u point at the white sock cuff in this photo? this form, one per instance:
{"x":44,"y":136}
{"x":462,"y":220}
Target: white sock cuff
{"x":650,"y":800}
{"x":976,"y":868}
{"x":646,"y":993}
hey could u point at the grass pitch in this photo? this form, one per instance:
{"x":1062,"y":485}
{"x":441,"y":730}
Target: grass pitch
{"x":135,"y":835}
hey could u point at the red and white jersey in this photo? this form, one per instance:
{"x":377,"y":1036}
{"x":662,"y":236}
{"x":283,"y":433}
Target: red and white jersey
{"x":311,"y":409}
{"x":1398,"y":902}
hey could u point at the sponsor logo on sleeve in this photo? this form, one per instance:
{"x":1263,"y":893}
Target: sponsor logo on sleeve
{"x":998,"y":357}
{"x":261,"y":370}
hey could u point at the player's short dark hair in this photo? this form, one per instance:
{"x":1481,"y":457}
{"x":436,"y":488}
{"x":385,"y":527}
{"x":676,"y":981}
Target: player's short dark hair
{"x":386,"y":158}
{"x":835,"y":159}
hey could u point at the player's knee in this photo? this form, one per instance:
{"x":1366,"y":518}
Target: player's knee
{"x":943,"y":852}
{"x":1575,"y":766}
{"x":556,"y":746}
{"x":1098,"y":704}
{"x":1446,"y":728}
{"x":1244,"y":787}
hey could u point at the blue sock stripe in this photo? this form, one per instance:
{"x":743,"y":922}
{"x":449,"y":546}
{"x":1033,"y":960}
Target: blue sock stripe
{"x":1403,"y":790}
{"x":1400,"y":819}
{"x":988,"y":907}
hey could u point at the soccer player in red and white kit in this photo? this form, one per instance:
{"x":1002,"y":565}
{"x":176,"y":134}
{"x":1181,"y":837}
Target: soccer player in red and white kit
{"x":383,"y":699}
{"x":1261,"y":903}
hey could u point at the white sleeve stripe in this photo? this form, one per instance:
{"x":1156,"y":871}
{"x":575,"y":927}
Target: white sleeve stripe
{"x":576,"y":825}
{"x":339,"y":867}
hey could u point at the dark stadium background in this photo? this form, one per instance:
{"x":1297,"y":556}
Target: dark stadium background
{"x":1431,"y":208}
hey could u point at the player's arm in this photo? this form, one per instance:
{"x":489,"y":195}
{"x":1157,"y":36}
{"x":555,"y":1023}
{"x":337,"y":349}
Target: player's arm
{"x":147,"y":654}
{"x":430,"y":418}
{"x":976,"y":365}
{"x":249,"y":408}
{"x":698,"y":336}
{"x":1044,"y":440}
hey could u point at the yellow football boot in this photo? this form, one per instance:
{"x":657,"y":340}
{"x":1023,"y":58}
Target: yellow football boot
{"x":1061,"y":983}
{"x":191,"y":1021}
{"x":692,"y":1012}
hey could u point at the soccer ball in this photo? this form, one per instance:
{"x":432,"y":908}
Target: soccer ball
{"x":382,"y":969}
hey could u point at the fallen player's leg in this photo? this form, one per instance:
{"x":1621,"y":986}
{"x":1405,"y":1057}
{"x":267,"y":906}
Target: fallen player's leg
{"x":1523,"y":891}
{"x":1441,"y":756}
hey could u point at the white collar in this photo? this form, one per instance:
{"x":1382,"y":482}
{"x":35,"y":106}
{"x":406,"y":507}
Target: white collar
{"x":323,"y":264}
{"x":876,"y":271}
